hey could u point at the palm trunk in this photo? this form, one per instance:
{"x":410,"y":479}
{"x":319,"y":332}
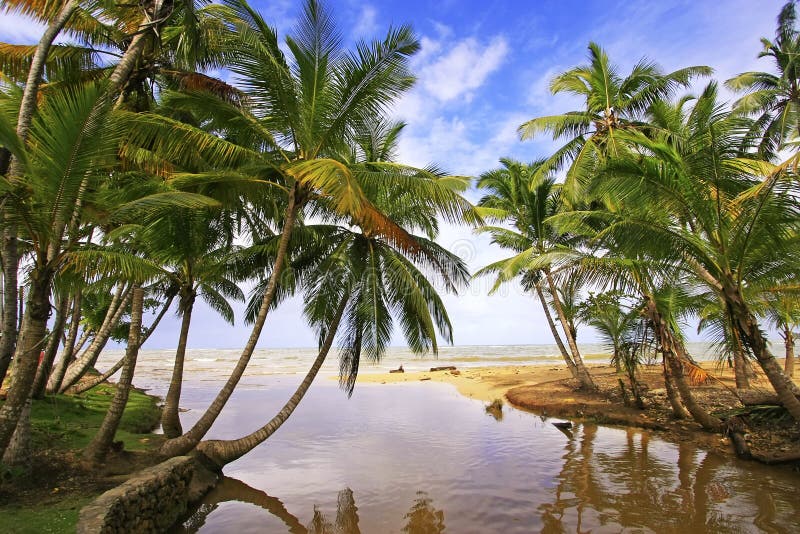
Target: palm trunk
{"x":18,"y":452}
{"x":739,"y":362}
{"x":752,"y":335}
{"x":170,"y":421}
{"x":553,"y":330}
{"x":90,"y":355}
{"x":10,"y":265}
{"x":699,"y":414}
{"x":186,"y":442}
{"x":51,"y":351}
{"x":57,"y":375}
{"x":86,"y":385}
{"x":97,"y":449}
{"x":10,"y":253}
{"x":679,"y":411}
{"x":674,"y":353}
{"x":222,"y":452}
{"x":26,"y":358}
{"x":788,"y":365}
{"x":583,"y":374}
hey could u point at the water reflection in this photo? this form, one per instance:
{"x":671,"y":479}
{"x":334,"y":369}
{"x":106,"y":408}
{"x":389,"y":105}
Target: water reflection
{"x":516,"y":476}
{"x":422,"y":518}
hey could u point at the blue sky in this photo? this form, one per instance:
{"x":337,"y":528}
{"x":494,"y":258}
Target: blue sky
{"x":484,"y":68}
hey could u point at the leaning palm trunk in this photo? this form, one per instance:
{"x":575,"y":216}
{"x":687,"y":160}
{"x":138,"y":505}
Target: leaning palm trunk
{"x":90,"y":355}
{"x":170,"y":420}
{"x":583,"y":374}
{"x":10,"y":253}
{"x":189,"y":440}
{"x":675,"y":355}
{"x":97,"y":449}
{"x":553,"y":330}
{"x":752,"y":335}
{"x":51,"y":351}
{"x":739,"y":362}
{"x":222,"y":452}
{"x":788,"y":339}
{"x":57,"y":376}
{"x":86,"y":385}
{"x":32,"y":339}
{"x":679,"y":411}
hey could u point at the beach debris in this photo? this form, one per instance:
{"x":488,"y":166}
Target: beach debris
{"x":424,"y":378}
{"x":447,"y":368}
{"x":562,"y":425}
{"x":455,"y":373}
{"x":398,"y":370}
{"x":495,"y":409}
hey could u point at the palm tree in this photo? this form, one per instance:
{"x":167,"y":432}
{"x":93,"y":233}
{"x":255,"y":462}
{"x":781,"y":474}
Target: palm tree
{"x":197,"y":255}
{"x":612,"y":321}
{"x":299,"y":116}
{"x":774,"y":99}
{"x":363,"y":282}
{"x":703,"y":208}
{"x":613,"y":103}
{"x":70,"y":147}
{"x":518,"y":196}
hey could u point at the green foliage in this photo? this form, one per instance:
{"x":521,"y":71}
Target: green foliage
{"x":57,"y":517}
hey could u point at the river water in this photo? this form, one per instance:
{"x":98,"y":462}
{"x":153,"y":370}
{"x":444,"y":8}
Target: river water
{"x":421,"y":458}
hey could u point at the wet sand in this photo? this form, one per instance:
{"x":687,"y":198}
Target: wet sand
{"x":548,"y":390}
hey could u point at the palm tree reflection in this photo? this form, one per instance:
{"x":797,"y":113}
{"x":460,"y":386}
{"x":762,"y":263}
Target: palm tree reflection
{"x":422,"y":518}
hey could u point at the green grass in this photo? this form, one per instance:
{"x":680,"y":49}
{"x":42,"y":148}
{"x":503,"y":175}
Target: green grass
{"x":64,"y":423}
{"x":51,"y":517}
{"x":70,"y":422}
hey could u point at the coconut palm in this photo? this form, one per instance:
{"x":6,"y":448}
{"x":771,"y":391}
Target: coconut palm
{"x":300,"y":116}
{"x":70,"y":147}
{"x":774,"y":99}
{"x":613,"y":103}
{"x":703,"y":207}
{"x":360,"y":285}
{"x":517,"y":196}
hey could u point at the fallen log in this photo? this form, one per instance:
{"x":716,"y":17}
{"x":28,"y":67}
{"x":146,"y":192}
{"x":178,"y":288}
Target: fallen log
{"x":448,"y":368}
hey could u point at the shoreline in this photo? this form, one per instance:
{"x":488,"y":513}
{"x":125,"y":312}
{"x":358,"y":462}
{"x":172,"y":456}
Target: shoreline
{"x":549,"y":391}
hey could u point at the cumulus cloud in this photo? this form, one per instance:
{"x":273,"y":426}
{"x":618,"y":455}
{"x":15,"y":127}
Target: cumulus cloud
{"x":462,"y":68}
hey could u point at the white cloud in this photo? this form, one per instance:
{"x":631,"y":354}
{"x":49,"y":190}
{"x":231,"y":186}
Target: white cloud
{"x":463,"y":68}
{"x":367,"y":24}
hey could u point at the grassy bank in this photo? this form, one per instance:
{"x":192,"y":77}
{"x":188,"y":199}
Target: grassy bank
{"x":49,"y":496}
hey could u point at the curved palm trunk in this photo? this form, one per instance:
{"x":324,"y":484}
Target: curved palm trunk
{"x":57,"y":376}
{"x":90,"y":355}
{"x":699,"y":414}
{"x":51,"y":351}
{"x":10,"y":253}
{"x":674,"y":353}
{"x":186,"y":442}
{"x":101,"y":443}
{"x":583,"y":374}
{"x":222,"y":452}
{"x":170,"y":421}
{"x":679,"y":411}
{"x":553,"y":330}
{"x":86,"y":385}
{"x":739,"y":362}
{"x":788,"y":340}
{"x":30,"y":344}
{"x":752,"y":335}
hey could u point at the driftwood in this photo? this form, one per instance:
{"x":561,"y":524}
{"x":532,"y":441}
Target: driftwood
{"x":448,"y":368}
